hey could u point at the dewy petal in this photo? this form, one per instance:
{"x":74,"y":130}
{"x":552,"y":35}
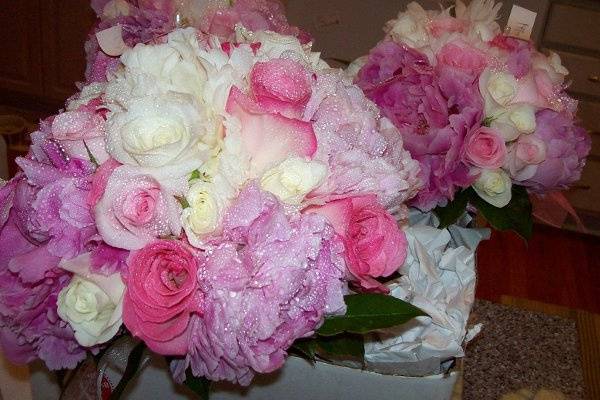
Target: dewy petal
{"x":270,"y":138}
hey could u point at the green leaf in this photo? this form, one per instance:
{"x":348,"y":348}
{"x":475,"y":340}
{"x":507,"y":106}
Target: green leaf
{"x":306,"y":348}
{"x":195,"y":175}
{"x":133,"y":365}
{"x":453,"y":210}
{"x":200,"y":386}
{"x":515,"y":216}
{"x":90,"y":155}
{"x":368,"y":312}
{"x":183,"y":201}
{"x":344,"y":345}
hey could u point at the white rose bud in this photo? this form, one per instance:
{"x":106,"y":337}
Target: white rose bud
{"x":203,"y":214}
{"x":502,"y":87}
{"x":523,"y":117}
{"x":293,"y":179}
{"x":92,"y":304}
{"x":494,"y":186}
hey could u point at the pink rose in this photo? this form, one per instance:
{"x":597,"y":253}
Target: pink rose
{"x":484,"y":148}
{"x":524,"y":155}
{"x":374,"y":245}
{"x":281,"y":86}
{"x":268,"y":137}
{"x":162,"y":293}
{"x":443,"y":25}
{"x":463,"y":56}
{"x":135,"y":209}
{"x":75,"y":130}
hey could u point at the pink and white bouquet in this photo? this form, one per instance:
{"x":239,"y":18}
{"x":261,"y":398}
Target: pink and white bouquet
{"x":216,"y":199}
{"x":485,"y":114}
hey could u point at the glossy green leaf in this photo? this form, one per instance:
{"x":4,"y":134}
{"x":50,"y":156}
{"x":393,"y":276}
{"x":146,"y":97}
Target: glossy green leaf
{"x":449,"y":214}
{"x":515,"y":216}
{"x":199,"y":385}
{"x":369,"y":312}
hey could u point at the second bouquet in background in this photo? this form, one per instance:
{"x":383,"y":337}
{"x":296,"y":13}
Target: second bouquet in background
{"x":485,"y":114}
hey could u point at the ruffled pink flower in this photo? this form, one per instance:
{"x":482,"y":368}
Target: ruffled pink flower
{"x":567,"y":148}
{"x":484,"y":148}
{"x":162,"y":294}
{"x":363,"y":151}
{"x":270,"y":282}
{"x":30,"y":281}
{"x":135,"y":209}
{"x":374,"y":245}
{"x":59,"y":212}
{"x":433,"y":111}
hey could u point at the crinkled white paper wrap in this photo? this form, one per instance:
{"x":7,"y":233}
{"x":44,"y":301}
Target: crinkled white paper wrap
{"x":438,"y":277}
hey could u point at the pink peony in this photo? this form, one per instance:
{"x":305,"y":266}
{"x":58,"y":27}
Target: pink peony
{"x":161,"y":296}
{"x":270,"y":282}
{"x":363,"y":151}
{"x":30,"y":281}
{"x":135,"y":209}
{"x":484,"y":148}
{"x":375,"y":246}
{"x":567,"y":147}
{"x":281,"y":86}
{"x":58,"y":213}
{"x":433,"y":111}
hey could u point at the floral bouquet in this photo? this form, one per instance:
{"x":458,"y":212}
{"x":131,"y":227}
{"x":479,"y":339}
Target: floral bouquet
{"x":218,"y":200}
{"x":485,"y":114}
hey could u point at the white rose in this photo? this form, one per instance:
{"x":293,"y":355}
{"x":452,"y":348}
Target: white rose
{"x":551,"y":64}
{"x":274,"y":45}
{"x":502,"y":87}
{"x":203,"y":214}
{"x":115,"y":8}
{"x":88,"y":92}
{"x":293,"y":179}
{"x":514,"y":121}
{"x":172,"y":66}
{"x":494,"y":186}
{"x":159,"y":131}
{"x":91,"y":304}
{"x":410,"y":27}
{"x":523,"y":117}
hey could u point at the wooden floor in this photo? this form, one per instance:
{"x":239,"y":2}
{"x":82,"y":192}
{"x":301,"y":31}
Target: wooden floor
{"x":556,"y":267}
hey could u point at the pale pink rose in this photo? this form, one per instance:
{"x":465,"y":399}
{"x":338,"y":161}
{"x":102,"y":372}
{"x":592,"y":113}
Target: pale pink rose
{"x":484,"y":148}
{"x":439,"y":26}
{"x":75,"y":130}
{"x":281,"y":86}
{"x":459,"y":54}
{"x":135,"y":209}
{"x":374,"y":245}
{"x":269,"y":138}
{"x":162,"y":293}
{"x":524,"y":155}
{"x":100,"y":180}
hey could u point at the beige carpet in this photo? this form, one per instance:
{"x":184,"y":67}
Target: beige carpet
{"x":532,"y":350}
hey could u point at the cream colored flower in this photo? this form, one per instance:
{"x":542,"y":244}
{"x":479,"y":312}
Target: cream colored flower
{"x":91,"y":304}
{"x":293,"y":179}
{"x":494,"y":186}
